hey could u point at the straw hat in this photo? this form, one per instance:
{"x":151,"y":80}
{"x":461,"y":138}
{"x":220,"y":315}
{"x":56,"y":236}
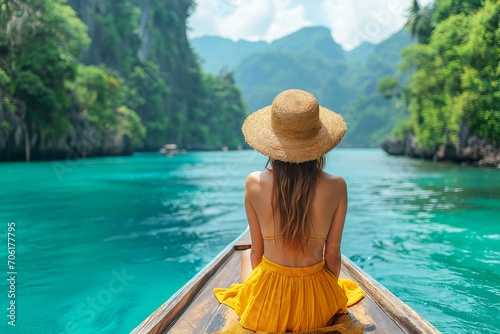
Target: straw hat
{"x":295,"y":128}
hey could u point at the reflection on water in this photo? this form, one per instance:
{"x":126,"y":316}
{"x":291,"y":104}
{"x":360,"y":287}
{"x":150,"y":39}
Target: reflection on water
{"x":112,"y":240}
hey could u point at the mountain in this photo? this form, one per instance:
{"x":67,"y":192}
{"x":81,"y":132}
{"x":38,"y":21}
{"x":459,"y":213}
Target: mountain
{"x":387,"y":54}
{"x":310,"y":59}
{"x":305,"y":59}
{"x":317,"y":40}
{"x":263,"y":75}
{"x":371,"y":117}
{"x":217,"y":53}
{"x":360,"y":53}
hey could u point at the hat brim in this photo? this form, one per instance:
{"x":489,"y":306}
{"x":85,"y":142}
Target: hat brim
{"x":259,"y":134}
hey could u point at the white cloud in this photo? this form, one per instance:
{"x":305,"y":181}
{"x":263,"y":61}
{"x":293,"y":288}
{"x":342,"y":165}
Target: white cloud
{"x":203,"y":20}
{"x":355,"y":21}
{"x":287,"y":20}
{"x":351,"y":21}
{"x":247,"y":19}
{"x":251,"y":19}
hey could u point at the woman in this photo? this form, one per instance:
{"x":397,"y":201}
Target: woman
{"x":296,"y":212}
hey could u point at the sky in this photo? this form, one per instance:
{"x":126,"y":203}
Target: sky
{"x":351,"y":21}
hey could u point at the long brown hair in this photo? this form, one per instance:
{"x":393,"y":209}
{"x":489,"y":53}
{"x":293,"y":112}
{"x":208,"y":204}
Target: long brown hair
{"x":292,"y":193}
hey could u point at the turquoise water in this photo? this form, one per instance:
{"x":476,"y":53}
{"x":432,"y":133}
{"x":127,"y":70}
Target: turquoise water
{"x":101,"y":243}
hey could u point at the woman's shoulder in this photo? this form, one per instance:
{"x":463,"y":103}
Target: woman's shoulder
{"x":258,"y":178}
{"x":333,"y":182}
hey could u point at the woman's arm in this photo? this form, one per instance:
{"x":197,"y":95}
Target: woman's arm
{"x":333,"y":255}
{"x":251,"y":188}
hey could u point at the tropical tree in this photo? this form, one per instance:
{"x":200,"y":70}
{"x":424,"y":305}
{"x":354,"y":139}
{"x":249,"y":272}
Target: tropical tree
{"x":420,"y":22}
{"x":446,"y":8}
{"x":40,"y":41}
{"x":101,"y":95}
{"x":456,"y":77}
{"x":389,"y":87}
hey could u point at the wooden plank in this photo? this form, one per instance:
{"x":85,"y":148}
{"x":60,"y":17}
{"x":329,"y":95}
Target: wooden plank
{"x":369,"y":314}
{"x":244,"y":241}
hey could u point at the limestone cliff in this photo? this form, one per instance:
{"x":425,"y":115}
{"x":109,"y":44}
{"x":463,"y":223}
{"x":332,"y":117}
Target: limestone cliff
{"x":145,"y":42}
{"x":82,"y":140}
{"x":140,"y":32}
{"x":469,"y":148}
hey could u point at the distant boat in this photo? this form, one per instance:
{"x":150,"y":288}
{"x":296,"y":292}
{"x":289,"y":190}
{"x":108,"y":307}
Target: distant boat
{"x":195,"y":309}
{"x":169,"y":150}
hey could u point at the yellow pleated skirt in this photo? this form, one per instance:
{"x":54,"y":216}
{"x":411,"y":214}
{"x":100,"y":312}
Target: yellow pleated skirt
{"x":275,"y":298}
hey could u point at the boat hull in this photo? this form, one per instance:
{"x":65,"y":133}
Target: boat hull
{"x":194,"y":308}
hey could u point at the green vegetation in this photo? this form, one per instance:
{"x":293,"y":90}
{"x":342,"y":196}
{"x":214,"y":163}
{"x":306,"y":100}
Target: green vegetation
{"x":456,"y":75}
{"x":388,"y":87}
{"x":224,"y":111}
{"x":420,"y":23}
{"x":371,"y":118}
{"x":309,"y":59}
{"x":141,"y":78}
{"x":101,"y":95}
{"x":37,"y":54}
{"x":446,"y":8}
{"x":448,"y":78}
{"x":167,"y":87}
{"x":404,"y":128}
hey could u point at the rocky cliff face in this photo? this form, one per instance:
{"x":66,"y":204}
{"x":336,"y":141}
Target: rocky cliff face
{"x":469,"y":148}
{"x":158,"y":35}
{"x":146,"y":31}
{"x":82,"y":140}
{"x":89,"y":11}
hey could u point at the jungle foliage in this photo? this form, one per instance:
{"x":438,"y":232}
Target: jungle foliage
{"x":153,"y":92}
{"x":455,"y":75}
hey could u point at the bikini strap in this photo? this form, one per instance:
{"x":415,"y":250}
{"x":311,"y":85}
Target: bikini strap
{"x":273,"y":238}
{"x":270,"y":238}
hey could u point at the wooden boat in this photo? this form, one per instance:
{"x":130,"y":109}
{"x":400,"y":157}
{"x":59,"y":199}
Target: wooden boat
{"x":194,"y":308}
{"x":169,"y":150}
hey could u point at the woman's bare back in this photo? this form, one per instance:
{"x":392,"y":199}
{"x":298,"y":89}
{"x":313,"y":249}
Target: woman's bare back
{"x":328,"y":207}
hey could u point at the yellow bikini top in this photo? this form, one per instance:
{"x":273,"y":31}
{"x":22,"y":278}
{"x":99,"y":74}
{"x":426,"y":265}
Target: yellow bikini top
{"x":273,"y":238}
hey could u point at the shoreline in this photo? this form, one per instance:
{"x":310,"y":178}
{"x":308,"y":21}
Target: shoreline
{"x":467,"y":149}
{"x":477,"y":155}
{"x":488,"y":155}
